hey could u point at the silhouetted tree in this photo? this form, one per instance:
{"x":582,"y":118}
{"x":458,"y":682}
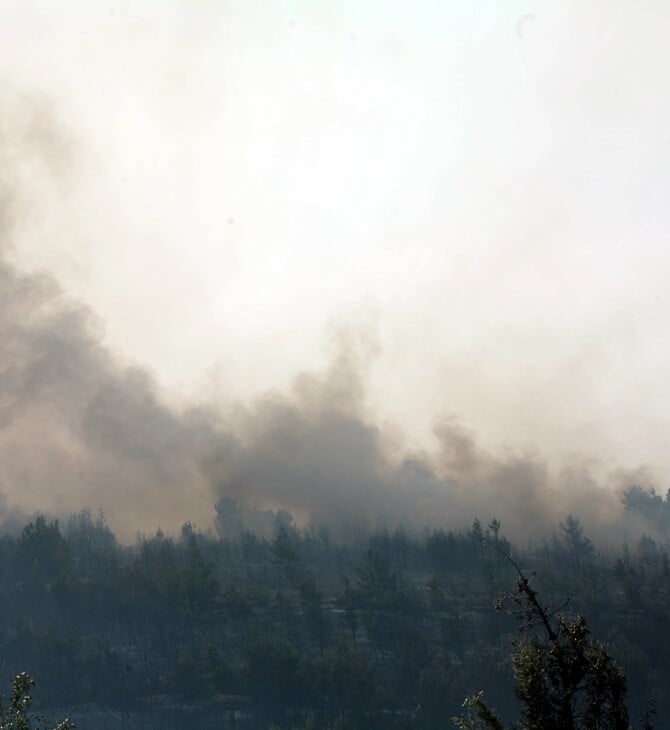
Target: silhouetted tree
{"x":16,"y":715}
{"x":348,"y":678}
{"x":284,"y":550}
{"x":43,"y":550}
{"x":565,"y":679}
{"x":579,"y":547}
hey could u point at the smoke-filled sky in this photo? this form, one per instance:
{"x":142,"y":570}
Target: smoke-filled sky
{"x":434,"y":229}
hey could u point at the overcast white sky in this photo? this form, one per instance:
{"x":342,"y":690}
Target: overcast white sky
{"x":480,"y":184}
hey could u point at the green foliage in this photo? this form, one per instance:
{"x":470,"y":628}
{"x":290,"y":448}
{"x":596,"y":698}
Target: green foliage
{"x":44,"y":551}
{"x":389,"y":631}
{"x":273,"y":672}
{"x":580,"y":548}
{"x":565,"y":679}
{"x":569,"y":681}
{"x":478,"y":715}
{"x":377,"y":584}
{"x":16,"y":715}
{"x":196,"y":586}
{"x":348,"y":678}
{"x":284,"y":550}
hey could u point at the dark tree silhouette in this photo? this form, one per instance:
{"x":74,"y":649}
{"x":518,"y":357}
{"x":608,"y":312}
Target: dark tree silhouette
{"x":565,"y":679}
{"x":16,"y":715}
{"x":579,"y":547}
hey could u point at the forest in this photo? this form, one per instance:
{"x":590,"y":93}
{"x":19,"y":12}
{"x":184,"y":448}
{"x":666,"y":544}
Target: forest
{"x":258,"y":623}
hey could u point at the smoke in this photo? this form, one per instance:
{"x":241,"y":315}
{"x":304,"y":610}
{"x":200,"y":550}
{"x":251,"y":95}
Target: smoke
{"x":330,"y":463}
{"x":81,"y":428}
{"x":77,"y":427}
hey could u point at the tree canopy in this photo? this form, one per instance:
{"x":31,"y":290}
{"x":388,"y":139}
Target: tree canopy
{"x":564,"y":678}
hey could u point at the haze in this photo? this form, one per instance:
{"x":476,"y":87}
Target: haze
{"x":464,"y":198}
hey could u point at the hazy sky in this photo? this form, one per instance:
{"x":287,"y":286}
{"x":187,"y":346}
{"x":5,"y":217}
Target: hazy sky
{"x":476,"y":188}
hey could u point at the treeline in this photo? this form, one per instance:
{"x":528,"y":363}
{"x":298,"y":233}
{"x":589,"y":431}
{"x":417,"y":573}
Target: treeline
{"x":294,"y":628}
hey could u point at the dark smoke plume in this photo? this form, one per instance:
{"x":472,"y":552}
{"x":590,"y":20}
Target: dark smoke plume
{"x":329,"y":463}
{"x":79,"y":428}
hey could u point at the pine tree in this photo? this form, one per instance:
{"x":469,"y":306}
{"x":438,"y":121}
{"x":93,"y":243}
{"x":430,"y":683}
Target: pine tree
{"x":564,"y":678}
{"x":16,"y":715}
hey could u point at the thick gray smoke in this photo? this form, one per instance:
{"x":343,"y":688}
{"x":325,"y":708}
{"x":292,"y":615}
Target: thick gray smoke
{"x":76,"y":427}
{"x":315,"y":454}
{"x":79,"y":428}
